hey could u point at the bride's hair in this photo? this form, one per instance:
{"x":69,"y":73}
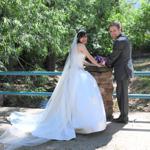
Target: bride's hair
{"x":80,"y":34}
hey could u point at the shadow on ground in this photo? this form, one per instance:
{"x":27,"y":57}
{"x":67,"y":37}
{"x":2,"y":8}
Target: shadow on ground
{"x":82,"y":142}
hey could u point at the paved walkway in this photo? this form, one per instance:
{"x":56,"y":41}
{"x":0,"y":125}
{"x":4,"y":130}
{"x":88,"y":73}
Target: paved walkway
{"x":133,"y":136}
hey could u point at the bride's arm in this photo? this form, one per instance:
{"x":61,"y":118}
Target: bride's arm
{"x":83,"y":49}
{"x":88,"y":64}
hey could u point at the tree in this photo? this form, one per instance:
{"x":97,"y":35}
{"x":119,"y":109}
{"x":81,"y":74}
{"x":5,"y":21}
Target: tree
{"x":28,"y":29}
{"x":37,"y":32}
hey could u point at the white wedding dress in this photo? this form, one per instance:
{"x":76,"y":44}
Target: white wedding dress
{"x":76,"y":106}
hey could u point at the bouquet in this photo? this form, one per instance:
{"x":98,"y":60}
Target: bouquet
{"x":100,"y":59}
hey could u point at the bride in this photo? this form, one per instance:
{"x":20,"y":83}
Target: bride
{"x":76,"y":106}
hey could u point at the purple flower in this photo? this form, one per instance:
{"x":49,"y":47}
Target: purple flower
{"x":100,"y":59}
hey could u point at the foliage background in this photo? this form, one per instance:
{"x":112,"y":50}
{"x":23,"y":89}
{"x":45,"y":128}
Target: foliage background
{"x":36,"y":34}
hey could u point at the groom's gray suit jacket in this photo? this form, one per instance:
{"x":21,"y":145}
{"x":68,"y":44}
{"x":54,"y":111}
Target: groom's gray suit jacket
{"x":120,"y":59}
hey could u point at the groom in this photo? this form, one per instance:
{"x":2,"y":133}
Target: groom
{"x":120,"y":59}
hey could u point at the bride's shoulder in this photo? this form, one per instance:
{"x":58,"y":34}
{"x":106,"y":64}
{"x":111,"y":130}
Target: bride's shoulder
{"x":80,"y":45}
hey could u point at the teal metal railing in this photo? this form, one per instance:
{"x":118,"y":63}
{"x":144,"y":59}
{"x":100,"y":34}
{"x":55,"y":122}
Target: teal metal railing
{"x":50,"y":73}
{"x":29,"y":73}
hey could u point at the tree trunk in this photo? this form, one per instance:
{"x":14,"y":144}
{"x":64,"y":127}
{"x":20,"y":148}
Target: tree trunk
{"x":50,"y":60}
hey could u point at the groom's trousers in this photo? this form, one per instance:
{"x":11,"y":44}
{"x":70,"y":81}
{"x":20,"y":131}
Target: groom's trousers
{"x":122,"y":97}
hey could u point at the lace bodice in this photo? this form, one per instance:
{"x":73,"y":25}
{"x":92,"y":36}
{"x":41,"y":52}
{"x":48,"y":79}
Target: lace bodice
{"x":81,"y":58}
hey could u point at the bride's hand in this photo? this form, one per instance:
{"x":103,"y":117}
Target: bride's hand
{"x":99,"y":65}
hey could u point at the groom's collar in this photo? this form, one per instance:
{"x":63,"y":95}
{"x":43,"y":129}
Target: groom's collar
{"x":119,"y":35}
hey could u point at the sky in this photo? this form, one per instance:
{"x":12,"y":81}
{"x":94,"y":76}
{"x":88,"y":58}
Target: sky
{"x":137,"y":3}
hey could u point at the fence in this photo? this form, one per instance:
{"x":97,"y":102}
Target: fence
{"x":50,"y":73}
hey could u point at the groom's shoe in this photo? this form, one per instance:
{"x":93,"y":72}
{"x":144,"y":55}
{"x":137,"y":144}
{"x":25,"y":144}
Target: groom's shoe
{"x":121,"y":120}
{"x":117,"y":119}
{"x":125,"y":120}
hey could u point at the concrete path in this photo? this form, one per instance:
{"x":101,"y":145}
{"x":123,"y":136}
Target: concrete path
{"x":133,"y":136}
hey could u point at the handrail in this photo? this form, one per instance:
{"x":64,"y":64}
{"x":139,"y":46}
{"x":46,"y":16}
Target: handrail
{"x":27,"y":93}
{"x":51,"y":73}
{"x":29,"y":73}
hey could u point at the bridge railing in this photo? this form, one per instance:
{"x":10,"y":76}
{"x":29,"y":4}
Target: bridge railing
{"x":50,"y":73}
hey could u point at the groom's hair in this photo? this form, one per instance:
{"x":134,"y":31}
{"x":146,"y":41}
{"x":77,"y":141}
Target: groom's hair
{"x":116,"y":24}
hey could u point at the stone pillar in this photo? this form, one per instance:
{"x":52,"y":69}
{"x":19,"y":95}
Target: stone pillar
{"x":104,"y":79}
